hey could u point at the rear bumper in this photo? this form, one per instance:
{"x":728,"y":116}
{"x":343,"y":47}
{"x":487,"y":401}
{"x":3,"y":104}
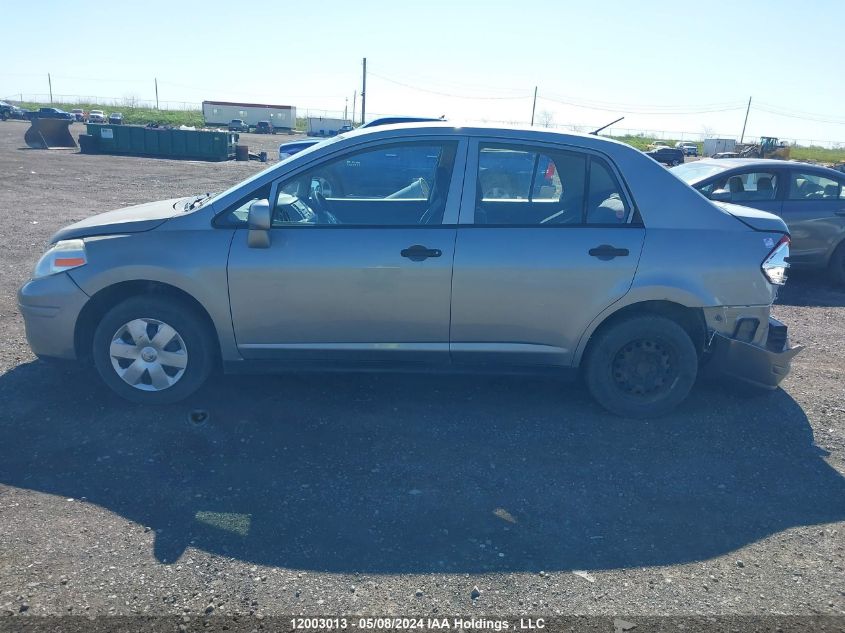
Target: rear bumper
{"x":763,"y":367}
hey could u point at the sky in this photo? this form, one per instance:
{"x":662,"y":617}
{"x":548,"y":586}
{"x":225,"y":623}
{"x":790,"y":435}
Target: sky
{"x":683,"y":68}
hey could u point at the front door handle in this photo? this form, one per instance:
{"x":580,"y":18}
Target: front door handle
{"x":840,"y":212}
{"x":606,"y":252}
{"x":418,"y":253}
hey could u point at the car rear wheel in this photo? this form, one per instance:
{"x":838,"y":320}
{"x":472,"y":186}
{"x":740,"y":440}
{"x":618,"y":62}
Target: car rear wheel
{"x":837,"y":265}
{"x":153,"y":350}
{"x":641,"y":367}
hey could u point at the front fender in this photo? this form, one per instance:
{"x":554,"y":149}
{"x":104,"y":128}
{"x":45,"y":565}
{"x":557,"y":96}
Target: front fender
{"x":194,"y":261}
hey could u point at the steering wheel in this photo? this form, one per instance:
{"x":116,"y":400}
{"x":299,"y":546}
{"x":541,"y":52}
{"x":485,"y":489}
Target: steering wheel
{"x":321,"y":208}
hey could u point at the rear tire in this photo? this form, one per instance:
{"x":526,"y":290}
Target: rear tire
{"x":142,"y":361}
{"x":641,"y":367}
{"x":836,"y":267}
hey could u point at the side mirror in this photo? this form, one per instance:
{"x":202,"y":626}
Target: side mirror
{"x":721,"y":195}
{"x":258,"y":222}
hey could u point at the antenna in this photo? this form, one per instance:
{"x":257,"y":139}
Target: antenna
{"x":603,"y":127}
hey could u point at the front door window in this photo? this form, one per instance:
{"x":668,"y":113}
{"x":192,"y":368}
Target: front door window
{"x":402,"y":184}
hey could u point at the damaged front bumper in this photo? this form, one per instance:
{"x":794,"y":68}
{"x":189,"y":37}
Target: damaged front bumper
{"x":763,"y":363}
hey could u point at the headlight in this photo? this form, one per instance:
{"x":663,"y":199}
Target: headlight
{"x":63,"y":255}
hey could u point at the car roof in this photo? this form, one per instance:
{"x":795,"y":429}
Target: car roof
{"x":388,"y":120}
{"x":515,"y":132}
{"x":733,"y":163}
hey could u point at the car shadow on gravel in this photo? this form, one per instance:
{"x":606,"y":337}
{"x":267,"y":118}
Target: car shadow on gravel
{"x":811,"y":288}
{"x":420,"y":474}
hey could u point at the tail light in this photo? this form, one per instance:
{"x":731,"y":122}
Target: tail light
{"x":775,"y":265}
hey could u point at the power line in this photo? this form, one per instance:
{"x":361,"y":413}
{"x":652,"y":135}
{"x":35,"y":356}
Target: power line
{"x":635,"y":106}
{"x":446,"y":94}
{"x":580,"y":103}
{"x":454,"y":84}
{"x":634,"y":109}
{"x":795,"y":114}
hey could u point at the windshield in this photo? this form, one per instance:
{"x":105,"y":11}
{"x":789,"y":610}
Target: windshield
{"x":692,"y":173}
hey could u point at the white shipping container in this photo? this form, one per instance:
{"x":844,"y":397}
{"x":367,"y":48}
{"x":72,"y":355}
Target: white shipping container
{"x":324,"y":126}
{"x":718,"y":145}
{"x":222,"y":112}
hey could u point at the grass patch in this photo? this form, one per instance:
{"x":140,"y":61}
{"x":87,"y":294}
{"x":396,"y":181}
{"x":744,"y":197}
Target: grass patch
{"x":817,"y":154}
{"x":133,"y":115}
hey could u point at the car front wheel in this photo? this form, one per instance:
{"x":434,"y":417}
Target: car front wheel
{"x":641,"y":367}
{"x":153,"y":350}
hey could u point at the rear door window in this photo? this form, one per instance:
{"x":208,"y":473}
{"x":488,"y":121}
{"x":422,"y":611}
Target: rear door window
{"x":605,"y":202}
{"x":811,"y":186}
{"x":526,"y":186}
{"x":746,"y":186}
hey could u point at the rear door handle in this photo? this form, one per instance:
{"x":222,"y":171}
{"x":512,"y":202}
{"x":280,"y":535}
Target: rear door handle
{"x":418,"y":253}
{"x":840,"y":212}
{"x":606,"y":252}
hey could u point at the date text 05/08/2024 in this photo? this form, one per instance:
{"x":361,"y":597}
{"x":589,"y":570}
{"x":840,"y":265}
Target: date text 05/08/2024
{"x":410,"y":624}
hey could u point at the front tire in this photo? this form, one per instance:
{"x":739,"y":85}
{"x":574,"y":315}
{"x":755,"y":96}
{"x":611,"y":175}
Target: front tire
{"x":153,"y":350}
{"x":641,"y":367}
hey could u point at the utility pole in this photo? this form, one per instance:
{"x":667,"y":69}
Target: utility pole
{"x":354,"y":99}
{"x":50,"y":83}
{"x":747,"y":110}
{"x":156,"y":80}
{"x":534,"y":107}
{"x":364,"y":94}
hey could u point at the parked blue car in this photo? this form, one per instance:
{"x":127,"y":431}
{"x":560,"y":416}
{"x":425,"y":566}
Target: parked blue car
{"x":51,"y":113}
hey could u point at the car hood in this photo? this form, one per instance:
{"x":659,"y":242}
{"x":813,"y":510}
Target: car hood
{"x":754,"y":218}
{"x":135,"y":219}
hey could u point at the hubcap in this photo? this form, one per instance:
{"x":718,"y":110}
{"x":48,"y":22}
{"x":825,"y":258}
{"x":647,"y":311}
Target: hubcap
{"x":644,"y":367}
{"x":148,"y":354}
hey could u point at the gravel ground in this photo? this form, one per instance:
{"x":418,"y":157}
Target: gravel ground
{"x":399,"y":494}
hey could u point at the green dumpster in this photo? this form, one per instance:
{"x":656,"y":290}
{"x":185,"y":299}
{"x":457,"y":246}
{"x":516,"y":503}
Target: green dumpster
{"x":137,"y":140}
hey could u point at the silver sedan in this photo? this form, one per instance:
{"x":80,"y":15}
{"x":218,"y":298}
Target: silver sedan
{"x":425,"y":246}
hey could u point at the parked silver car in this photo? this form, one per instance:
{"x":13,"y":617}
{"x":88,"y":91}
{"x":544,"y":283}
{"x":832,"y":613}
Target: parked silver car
{"x":425,"y":246}
{"x":810,"y":199}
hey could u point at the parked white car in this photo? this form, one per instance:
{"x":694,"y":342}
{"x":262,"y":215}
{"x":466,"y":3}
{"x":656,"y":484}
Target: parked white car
{"x":96,"y":116}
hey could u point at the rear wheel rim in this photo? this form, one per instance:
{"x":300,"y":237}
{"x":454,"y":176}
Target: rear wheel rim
{"x":148,"y":354}
{"x":645,"y":368}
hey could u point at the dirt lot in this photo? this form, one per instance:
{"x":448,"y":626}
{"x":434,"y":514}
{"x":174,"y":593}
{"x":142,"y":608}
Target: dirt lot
{"x":399,"y":494}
